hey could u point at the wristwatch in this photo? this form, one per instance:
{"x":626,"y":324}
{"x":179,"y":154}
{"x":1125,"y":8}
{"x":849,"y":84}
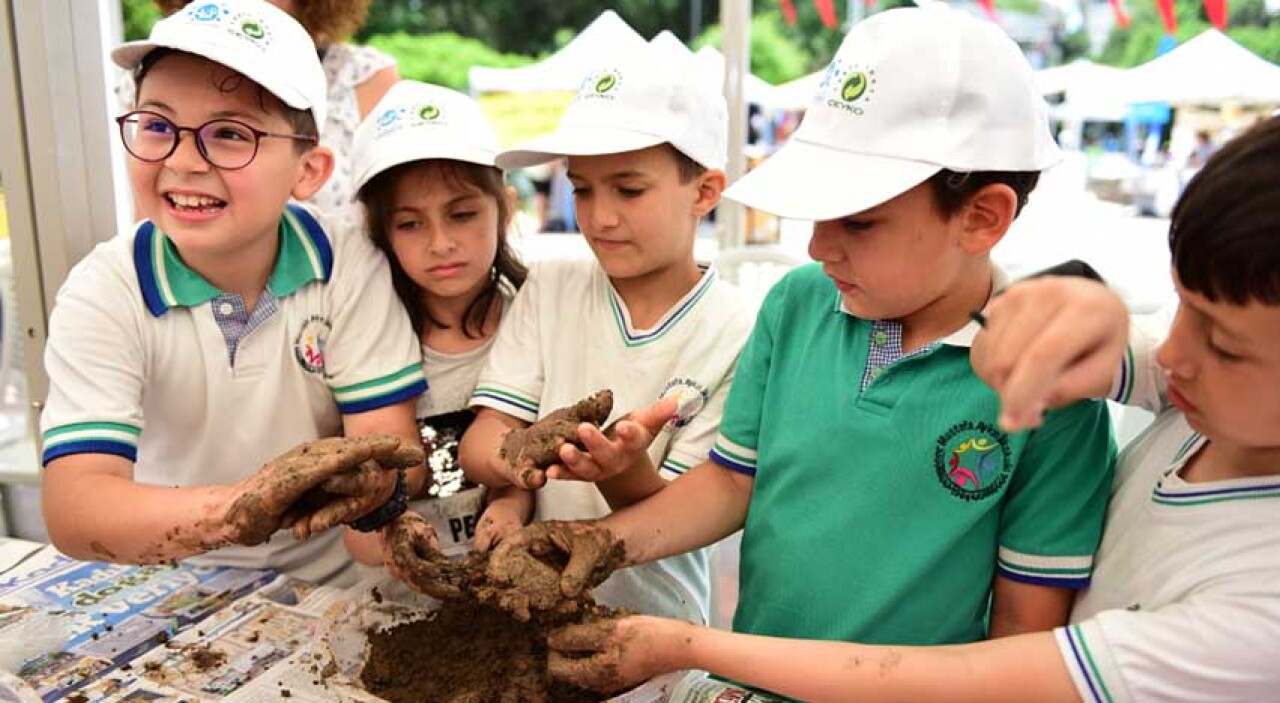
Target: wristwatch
{"x":388,"y":511}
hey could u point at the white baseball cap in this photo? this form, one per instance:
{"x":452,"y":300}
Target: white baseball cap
{"x":252,"y":37}
{"x":644,"y":98}
{"x":911,"y":92}
{"x":416,"y":121}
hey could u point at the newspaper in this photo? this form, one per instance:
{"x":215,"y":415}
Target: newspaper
{"x":91,"y":632}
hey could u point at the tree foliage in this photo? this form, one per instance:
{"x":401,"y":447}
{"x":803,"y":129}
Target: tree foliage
{"x":775,"y":57}
{"x":443,"y":58}
{"x":1247,"y":23}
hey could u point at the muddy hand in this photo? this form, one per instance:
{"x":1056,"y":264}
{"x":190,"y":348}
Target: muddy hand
{"x":610,"y":655}
{"x":259,"y":504}
{"x":594,"y":553}
{"x":610,"y":452}
{"x":413,"y":555}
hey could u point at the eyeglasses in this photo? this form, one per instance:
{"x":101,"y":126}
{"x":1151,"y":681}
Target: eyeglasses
{"x":225,"y":144}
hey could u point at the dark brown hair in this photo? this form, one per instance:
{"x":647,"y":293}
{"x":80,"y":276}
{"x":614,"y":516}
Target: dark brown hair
{"x":952,"y":189}
{"x":1224,"y":233}
{"x":300,"y":121}
{"x":378,"y":197}
{"x":327,"y":21}
{"x":687,"y":167}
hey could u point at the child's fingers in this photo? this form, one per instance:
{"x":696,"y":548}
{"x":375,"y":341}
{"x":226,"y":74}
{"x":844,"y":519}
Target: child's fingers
{"x":598,"y":672}
{"x":582,"y":637}
{"x":656,"y":416}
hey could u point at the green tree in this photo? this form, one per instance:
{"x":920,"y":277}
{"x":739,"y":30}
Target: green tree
{"x":1247,"y":23}
{"x":775,"y":57}
{"x":443,"y":58}
{"x":138,"y":16}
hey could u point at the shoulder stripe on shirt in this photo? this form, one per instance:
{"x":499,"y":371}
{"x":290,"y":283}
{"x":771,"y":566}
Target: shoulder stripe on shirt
{"x":506,"y":397}
{"x":317,"y":245}
{"x":1086,"y":665}
{"x":380,"y":392}
{"x":91,"y":438}
{"x":146,"y":270}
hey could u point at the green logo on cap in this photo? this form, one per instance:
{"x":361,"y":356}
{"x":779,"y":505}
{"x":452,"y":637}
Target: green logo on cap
{"x":252,"y":29}
{"x":854,"y":86}
{"x":606,"y":83}
{"x":428,"y":112}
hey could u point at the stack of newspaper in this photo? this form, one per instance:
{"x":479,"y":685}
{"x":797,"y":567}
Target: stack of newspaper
{"x":91,"y":632}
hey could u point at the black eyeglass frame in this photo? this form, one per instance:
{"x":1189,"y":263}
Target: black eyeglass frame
{"x":178,"y":129}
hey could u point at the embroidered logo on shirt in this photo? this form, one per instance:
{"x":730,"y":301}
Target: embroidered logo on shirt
{"x":690,"y":397}
{"x":308,"y":346}
{"x":972,"y":460}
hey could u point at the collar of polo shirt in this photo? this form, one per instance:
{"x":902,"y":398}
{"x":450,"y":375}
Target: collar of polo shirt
{"x":166,"y":282}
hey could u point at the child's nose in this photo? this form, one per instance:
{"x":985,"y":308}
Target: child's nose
{"x":186,"y":155}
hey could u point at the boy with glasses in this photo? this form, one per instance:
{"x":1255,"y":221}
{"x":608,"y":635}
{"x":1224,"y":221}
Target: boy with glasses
{"x":228,"y":326}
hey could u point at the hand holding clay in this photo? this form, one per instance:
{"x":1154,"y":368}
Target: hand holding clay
{"x":412,"y":555}
{"x":289,"y":490}
{"x":602,"y":455}
{"x":610,"y":655}
{"x":592,"y":550}
{"x":529,"y":452}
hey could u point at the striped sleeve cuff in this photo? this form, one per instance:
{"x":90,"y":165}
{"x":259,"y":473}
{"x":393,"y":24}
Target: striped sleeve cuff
{"x":505,"y":399}
{"x":1122,"y":385}
{"x":674,"y":466}
{"x":734,"y":457}
{"x":393,"y":388}
{"x":1084,"y":650}
{"x":1058,"y":572}
{"x":114,"y":438}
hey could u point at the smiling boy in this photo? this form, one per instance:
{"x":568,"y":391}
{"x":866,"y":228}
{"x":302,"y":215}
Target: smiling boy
{"x":227,"y":327}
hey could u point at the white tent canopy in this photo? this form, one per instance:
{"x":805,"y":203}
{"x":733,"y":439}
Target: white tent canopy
{"x":756,"y":89}
{"x":1092,"y":91}
{"x":563,"y":70}
{"x":670,"y":43}
{"x":1208,"y":69}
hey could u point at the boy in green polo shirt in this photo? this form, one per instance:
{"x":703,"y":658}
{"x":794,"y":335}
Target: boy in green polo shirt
{"x":880,"y":500}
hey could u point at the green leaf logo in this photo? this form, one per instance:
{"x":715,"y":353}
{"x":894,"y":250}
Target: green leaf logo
{"x":606,"y":83}
{"x":854,"y":86}
{"x":252,"y":29}
{"x":428,"y":112}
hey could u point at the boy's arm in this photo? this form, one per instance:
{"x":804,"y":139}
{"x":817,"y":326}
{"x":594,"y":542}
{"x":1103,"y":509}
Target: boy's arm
{"x":95,"y":510}
{"x":478,"y":449}
{"x":611,"y":654}
{"x":1021,"y":608}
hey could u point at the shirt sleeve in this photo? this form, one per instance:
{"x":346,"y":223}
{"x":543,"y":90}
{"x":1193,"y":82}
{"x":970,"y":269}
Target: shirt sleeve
{"x":94,"y":359}
{"x":512,"y":379}
{"x":1051,"y":523}
{"x":1209,"y":648}
{"x":1139,"y":382}
{"x":736,"y":445}
{"x":372,"y":358}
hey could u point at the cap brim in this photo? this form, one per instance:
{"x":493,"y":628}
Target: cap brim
{"x":576,"y":141}
{"x":129,"y":55}
{"x":804,"y":181}
{"x":407,"y":150}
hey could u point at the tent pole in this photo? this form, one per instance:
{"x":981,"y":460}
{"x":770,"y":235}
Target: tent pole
{"x":735,"y":23}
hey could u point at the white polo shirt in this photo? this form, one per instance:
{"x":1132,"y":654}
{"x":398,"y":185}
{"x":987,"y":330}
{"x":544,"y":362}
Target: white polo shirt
{"x":568,"y":335}
{"x":1185,"y":602}
{"x":140,"y":368}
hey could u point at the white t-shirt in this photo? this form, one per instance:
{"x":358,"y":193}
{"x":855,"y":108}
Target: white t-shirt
{"x":140,"y":368}
{"x":568,"y":335}
{"x":1185,"y":602}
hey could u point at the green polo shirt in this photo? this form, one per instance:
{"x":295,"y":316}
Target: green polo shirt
{"x":881,"y":515}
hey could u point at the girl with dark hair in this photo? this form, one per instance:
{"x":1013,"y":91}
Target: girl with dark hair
{"x":439,"y":209}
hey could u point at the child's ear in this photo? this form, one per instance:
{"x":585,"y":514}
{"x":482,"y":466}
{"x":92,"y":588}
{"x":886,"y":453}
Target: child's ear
{"x":711,"y":183}
{"x":317,"y":165}
{"x":986,"y":218}
{"x":513,"y":202}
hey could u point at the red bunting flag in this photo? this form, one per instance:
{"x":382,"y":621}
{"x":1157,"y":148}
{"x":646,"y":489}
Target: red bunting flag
{"x":827,"y":12}
{"x":1217,"y":12}
{"x":1122,"y":13}
{"x":788,"y":11}
{"x":1167,"y":14}
{"x":989,"y":7}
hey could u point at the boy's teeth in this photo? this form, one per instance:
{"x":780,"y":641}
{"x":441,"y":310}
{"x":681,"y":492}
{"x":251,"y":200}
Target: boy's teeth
{"x":193,"y":200}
